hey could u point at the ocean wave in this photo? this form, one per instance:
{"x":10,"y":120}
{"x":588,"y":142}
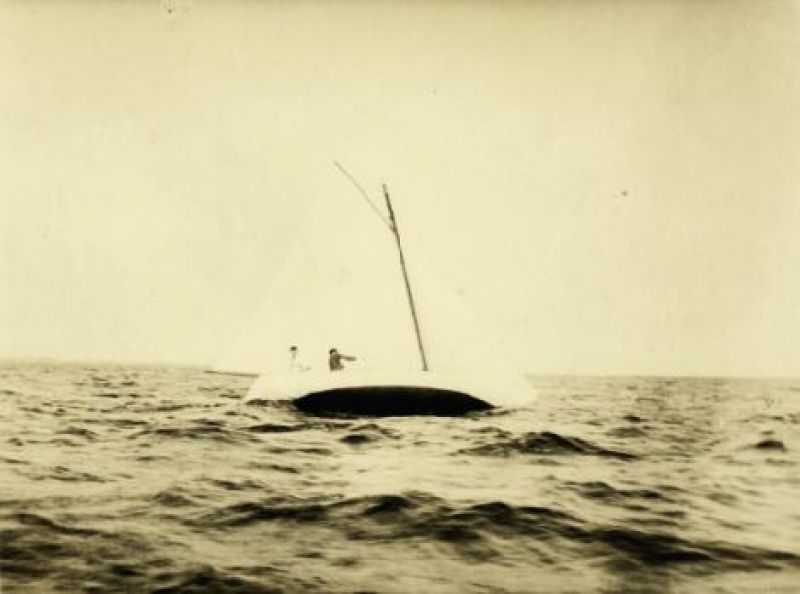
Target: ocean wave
{"x":656,"y":549}
{"x":602,"y":491}
{"x":61,"y":473}
{"x":198,"y":431}
{"x":39,"y":555}
{"x":206,"y":579}
{"x":547,"y":444}
{"x":423,"y":517}
{"x":368,"y":433}
{"x":396,"y":516}
{"x":628,"y":432}
{"x":173,"y":498}
{"x":80,"y":432}
{"x":275,"y":428}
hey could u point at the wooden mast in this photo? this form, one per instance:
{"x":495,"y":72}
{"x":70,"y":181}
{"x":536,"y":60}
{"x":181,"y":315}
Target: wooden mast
{"x":410,"y":295}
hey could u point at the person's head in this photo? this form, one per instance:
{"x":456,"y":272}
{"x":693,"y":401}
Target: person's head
{"x":332,"y":351}
{"x":293,"y":349}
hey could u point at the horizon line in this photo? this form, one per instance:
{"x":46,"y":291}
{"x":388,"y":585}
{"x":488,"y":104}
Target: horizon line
{"x":31,"y":359}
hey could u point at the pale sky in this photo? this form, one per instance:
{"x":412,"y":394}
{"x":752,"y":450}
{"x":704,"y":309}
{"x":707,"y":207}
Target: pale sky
{"x":613,"y":186}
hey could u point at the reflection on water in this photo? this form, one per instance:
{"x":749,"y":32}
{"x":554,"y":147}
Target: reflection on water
{"x":162,"y":480}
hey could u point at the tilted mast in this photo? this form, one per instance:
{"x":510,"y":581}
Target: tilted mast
{"x":392,"y":225}
{"x":409,"y":293}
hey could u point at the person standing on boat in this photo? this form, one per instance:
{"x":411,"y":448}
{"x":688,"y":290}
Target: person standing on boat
{"x":335,"y":359}
{"x":294,"y":363}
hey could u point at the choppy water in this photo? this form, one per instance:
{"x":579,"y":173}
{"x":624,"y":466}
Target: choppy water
{"x":122,"y":479}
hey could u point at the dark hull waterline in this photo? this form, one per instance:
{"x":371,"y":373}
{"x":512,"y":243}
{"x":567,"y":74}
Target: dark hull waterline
{"x":390,"y":401}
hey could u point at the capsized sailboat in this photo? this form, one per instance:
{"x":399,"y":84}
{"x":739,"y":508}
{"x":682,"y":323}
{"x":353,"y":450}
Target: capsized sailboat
{"x":385,"y":382}
{"x":390,"y":392}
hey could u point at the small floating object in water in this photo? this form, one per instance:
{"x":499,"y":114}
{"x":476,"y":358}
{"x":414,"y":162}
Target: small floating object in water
{"x":770,"y":444}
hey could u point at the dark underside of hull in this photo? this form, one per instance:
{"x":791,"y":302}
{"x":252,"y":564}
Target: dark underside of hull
{"x":390,"y":401}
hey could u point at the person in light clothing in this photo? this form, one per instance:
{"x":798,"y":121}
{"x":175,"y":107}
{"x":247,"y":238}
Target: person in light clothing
{"x":294,"y":360}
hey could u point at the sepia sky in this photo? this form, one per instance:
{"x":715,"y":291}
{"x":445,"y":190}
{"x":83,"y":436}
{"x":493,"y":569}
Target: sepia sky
{"x":612,"y":185}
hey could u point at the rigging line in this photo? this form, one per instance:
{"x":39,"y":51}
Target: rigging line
{"x":364,"y":195}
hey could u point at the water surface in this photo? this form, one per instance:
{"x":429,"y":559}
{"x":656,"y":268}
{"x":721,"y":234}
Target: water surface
{"x":134,"y":479}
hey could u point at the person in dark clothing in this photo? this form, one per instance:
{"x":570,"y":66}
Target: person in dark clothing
{"x":335,"y":359}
